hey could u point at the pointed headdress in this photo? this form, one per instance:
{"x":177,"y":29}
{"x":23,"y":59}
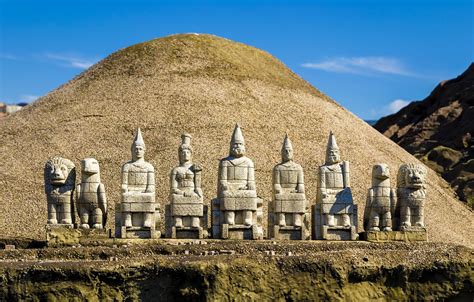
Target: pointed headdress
{"x":237,"y":136}
{"x":138,"y":141}
{"x":287,"y":143}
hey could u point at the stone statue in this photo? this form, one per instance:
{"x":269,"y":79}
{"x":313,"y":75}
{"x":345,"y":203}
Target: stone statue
{"x":289,"y":200}
{"x":338,"y":211}
{"x":187,"y":204}
{"x":91,"y":202}
{"x":380,"y":201}
{"x":411,"y":194}
{"x":237,"y":195}
{"x":138,"y":194}
{"x":59,"y":182}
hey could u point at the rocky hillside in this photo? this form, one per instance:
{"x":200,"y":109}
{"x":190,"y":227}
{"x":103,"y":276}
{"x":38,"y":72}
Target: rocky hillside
{"x":203,"y":85}
{"x":440,"y":131}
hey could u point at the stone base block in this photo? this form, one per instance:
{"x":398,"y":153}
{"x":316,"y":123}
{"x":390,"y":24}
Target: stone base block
{"x":321,"y":231}
{"x":139,"y":233}
{"x":188,"y":233}
{"x":385,"y":236}
{"x":339,"y":233}
{"x":66,"y":235}
{"x":186,"y":230}
{"x":288,"y":233}
{"x":252,"y":232}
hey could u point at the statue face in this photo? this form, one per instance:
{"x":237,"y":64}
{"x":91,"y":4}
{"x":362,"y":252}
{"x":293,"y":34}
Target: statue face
{"x":237,"y":149}
{"x":139,"y":152}
{"x":286,"y":154}
{"x":185,"y":155}
{"x":59,"y":173}
{"x":90,"y":166}
{"x":414,"y":178}
{"x":381,"y":171}
{"x":333,"y":156}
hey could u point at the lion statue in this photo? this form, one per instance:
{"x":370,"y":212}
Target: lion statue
{"x":59,"y":182}
{"x":411,"y":194}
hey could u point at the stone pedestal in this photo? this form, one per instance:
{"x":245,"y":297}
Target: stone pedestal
{"x":385,"y":236}
{"x":321,"y":231}
{"x":220,"y":230}
{"x":186,"y":232}
{"x":288,"y":232}
{"x":135,"y":231}
{"x":66,"y":235}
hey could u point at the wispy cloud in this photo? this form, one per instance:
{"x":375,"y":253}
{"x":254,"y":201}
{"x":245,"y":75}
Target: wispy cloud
{"x":28,"y":98}
{"x":8,"y":56}
{"x":71,"y":60}
{"x":396,"y":105}
{"x":362,"y":66}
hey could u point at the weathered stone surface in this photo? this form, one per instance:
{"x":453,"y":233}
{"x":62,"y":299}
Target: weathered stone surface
{"x":59,"y":182}
{"x":335,"y":213}
{"x":91,"y":200}
{"x":186,"y":197}
{"x":138,"y":215}
{"x":237,"y":207}
{"x":381,"y":201}
{"x":288,"y":213}
{"x":385,"y":236}
{"x":411,"y":195}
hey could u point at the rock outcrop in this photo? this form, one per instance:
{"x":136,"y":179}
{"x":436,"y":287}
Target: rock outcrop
{"x":440,"y":131}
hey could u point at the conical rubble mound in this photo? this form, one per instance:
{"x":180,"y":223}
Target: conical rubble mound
{"x":202,"y":85}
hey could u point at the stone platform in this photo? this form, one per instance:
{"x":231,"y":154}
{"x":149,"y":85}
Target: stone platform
{"x":384,"y":236}
{"x":66,"y":235}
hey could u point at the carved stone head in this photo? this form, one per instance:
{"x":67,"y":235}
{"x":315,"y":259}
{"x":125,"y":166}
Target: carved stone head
{"x":59,"y":171}
{"x":90,"y":166}
{"x":332,"y":151}
{"x":286,"y":150}
{"x":138,"y":146}
{"x":237,"y":144}
{"x":411,"y":176}
{"x":380,"y":172}
{"x":185,"y":151}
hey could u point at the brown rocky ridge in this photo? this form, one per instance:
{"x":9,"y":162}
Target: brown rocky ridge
{"x":203,"y":85}
{"x":439,"y":130}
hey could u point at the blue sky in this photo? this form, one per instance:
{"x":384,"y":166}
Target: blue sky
{"x":370,"y":56}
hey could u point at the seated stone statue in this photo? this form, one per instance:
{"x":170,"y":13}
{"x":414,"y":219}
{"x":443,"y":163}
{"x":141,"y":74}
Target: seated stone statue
{"x":138,"y":189}
{"x":185,"y":189}
{"x":91,"y":201}
{"x":380,"y":201}
{"x":288,"y":188}
{"x":59,"y":182}
{"x":289,"y":200}
{"x":237,"y":211}
{"x":411,"y":194}
{"x":334,"y":190}
{"x":236,"y":188}
{"x":338,"y":213}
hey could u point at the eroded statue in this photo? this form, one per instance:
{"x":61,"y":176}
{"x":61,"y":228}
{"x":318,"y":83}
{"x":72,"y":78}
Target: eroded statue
{"x":91,"y":201}
{"x":411,"y":195}
{"x":138,"y":205}
{"x":237,"y":196}
{"x":290,"y":207}
{"x":338,"y":211}
{"x":381,"y":201}
{"x":59,"y":182}
{"x":187,"y":204}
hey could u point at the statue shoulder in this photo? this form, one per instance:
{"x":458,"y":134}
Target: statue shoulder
{"x":196,"y":167}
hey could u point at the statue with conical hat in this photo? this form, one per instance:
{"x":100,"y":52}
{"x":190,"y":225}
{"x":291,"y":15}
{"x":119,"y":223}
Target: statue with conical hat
{"x":186,"y":197}
{"x":138,"y":207}
{"x":289,"y":207}
{"x":237,"y":196}
{"x":338,"y":218}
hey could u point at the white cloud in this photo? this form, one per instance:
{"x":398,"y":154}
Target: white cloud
{"x":396,"y":105}
{"x":71,"y":61}
{"x":28,"y":98}
{"x":362,"y":66}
